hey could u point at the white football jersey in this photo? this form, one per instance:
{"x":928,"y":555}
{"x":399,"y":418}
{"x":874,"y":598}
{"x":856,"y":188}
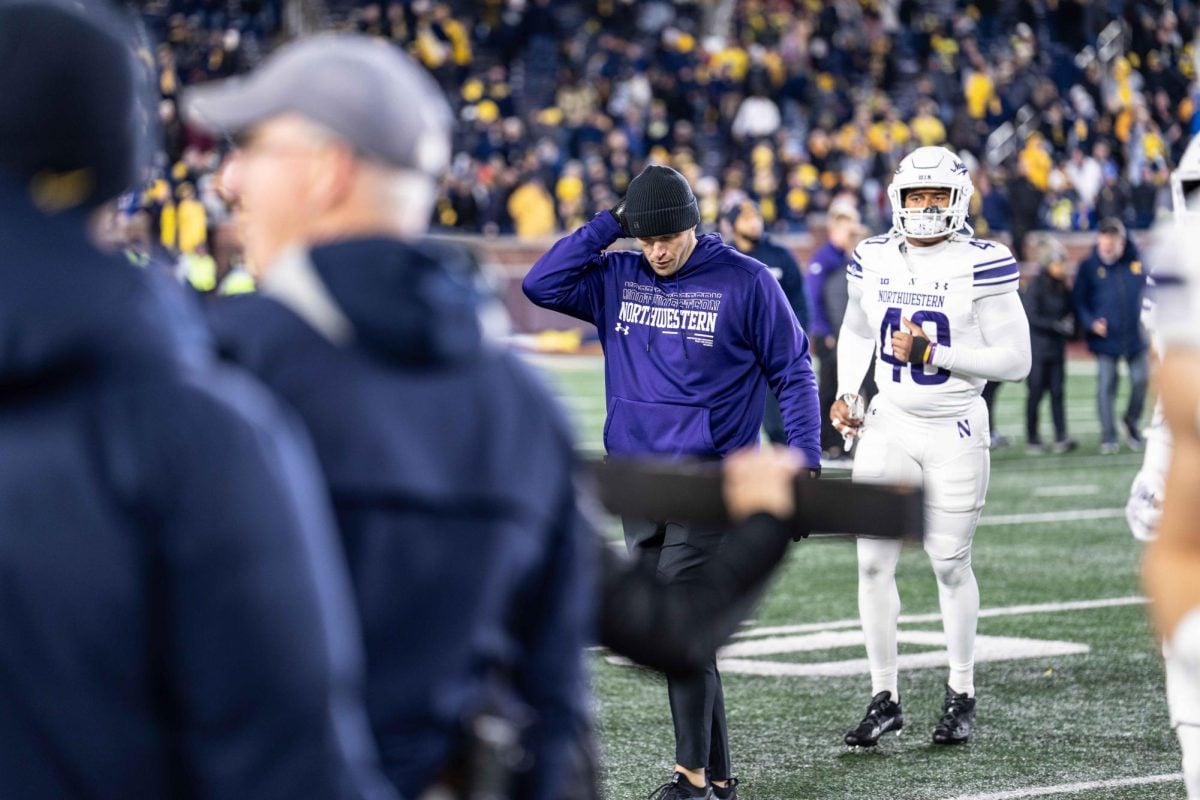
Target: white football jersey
{"x":936,"y":288}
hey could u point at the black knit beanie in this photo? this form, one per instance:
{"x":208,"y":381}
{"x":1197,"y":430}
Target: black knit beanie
{"x":659,"y":202}
{"x":68,"y":99}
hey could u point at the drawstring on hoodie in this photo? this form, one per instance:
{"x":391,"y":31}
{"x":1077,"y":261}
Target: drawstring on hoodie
{"x":654,"y":305}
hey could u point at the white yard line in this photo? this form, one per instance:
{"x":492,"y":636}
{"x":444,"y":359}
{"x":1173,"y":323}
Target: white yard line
{"x":1053,"y":516}
{"x":1065,"y":491}
{"x":1072,"y":788}
{"x":1001,"y":611}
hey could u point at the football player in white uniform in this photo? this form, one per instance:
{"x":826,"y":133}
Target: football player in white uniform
{"x":1171,"y":316}
{"x":939,"y":309}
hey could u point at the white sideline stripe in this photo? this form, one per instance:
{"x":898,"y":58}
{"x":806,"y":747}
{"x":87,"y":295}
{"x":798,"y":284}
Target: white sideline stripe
{"x":1065,"y":491}
{"x":987,"y":648}
{"x":1053,"y":516}
{"x":910,"y":619}
{"x":1072,"y":788}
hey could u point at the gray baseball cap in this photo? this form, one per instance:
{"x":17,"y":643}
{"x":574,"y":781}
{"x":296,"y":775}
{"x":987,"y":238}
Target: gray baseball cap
{"x":367,"y":91}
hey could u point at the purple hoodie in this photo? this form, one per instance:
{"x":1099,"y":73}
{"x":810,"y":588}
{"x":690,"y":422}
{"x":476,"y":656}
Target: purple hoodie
{"x":688,"y":358}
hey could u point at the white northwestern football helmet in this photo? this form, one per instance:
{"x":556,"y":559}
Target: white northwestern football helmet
{"x":931,"y":167}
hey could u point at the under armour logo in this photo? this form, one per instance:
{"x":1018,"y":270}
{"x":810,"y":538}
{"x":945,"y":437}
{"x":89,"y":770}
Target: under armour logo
{"x":622,"y":329}
{"x":964,"y":429}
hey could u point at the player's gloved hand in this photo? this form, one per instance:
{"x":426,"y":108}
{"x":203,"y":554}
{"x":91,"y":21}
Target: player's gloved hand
{"x":846,"y":415}
{"x":618,"y":212}
{"x":910,"y":345}
{"x":1144,"y":509}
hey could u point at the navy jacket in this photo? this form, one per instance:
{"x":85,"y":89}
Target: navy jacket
{"x":687,"y":358}
{"x":451,"y":474}
{"x":174,"y":621}
{"x":1114,"y":293}
{"x":782,"y":264}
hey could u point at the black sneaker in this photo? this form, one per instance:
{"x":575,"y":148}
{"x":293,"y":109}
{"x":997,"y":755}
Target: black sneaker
{"x":680,"y":788}
{"x":883,"y":715}
{"x":958,"y":715}
{"x":727,"y":793}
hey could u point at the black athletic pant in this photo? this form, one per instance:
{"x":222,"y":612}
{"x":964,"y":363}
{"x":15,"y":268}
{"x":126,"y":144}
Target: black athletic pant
{"x":1045,"y":375}
{"x":697,"y":701}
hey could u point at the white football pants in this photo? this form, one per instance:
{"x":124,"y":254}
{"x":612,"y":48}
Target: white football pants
{"x":949,"y":457}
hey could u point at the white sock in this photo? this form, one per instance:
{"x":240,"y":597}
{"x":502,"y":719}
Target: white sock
{"x":879,"y":610}
{"x":960,"y":614}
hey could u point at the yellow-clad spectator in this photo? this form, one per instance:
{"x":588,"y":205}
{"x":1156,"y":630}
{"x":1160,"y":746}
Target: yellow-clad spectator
{"x":200,"y":269}
{"x":979,"y":91}
{"x":237,"y":281}
{"x":191,"y":219}
{"x":167,"y":224}
{"x":532,"y":210}
{"x":733,"y":61}
{"x":1037,"y":161}
{"x":456,"y":32}
{"x":927,"y":127}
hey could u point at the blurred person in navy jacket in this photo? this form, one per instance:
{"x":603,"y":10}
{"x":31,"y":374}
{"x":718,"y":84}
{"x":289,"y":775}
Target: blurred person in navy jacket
{"x":1108,"y":303}
{"x":175,"y":621}
{"x":450,"y":470}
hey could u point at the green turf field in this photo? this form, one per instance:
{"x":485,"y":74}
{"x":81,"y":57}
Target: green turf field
{"x":1069,"y":683}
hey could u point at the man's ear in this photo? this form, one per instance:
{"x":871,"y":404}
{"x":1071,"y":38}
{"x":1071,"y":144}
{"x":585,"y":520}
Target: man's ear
{"x":335,"y":172}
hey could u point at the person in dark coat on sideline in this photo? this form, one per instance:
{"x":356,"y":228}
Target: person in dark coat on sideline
{"x":1051,"y":325}
{"x":745,"y":232}
{"x":175,"y":621}
{"x":1107,"y":297}
{"x":449,"y":468}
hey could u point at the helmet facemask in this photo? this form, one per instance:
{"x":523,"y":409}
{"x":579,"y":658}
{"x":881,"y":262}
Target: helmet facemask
{"x":931,"y":222}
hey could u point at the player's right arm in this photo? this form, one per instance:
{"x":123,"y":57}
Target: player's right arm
{"x":1173,"y":559}
{"x":856,"y":345}
{"x":568,"y":278}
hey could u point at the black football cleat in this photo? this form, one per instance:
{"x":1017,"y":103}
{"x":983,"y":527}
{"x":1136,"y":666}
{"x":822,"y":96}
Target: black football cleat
{"x":680,"y":788}
{"x":958,"y":715}
{"x":883,"y":715}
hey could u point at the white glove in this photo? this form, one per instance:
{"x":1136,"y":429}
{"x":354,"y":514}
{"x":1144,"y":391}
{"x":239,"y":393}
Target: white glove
{"x":1144,"y":509}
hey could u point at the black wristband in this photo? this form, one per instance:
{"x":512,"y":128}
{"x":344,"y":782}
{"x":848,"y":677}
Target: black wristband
{"x":916,"y":353}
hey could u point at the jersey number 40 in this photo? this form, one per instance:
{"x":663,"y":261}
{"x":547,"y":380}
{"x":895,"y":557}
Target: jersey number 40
{"x":891,"y":323}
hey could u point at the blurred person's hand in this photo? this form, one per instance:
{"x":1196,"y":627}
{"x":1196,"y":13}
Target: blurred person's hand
{"x":1100,"y":327}
{"x":761,"y":481}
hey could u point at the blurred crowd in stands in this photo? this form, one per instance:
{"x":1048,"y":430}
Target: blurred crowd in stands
{"x":1067,"y":111}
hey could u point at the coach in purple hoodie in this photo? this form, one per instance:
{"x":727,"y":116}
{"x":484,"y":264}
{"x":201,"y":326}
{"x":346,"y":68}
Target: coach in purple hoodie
{"x":693,"y":334}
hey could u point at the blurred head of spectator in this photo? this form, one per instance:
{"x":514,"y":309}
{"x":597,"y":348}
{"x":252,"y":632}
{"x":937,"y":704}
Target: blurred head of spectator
{"x":1110,"y":240}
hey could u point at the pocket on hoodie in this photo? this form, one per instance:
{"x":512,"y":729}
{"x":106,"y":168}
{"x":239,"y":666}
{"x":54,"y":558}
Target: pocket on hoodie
{"x":637,"y":428}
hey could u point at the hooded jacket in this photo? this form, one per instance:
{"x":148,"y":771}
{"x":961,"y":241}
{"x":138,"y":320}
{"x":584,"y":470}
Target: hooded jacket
{"x":688,"y":358}
{"x":173,"y":621}
{"x":450,"y":471}
{"x":1112,"y":292}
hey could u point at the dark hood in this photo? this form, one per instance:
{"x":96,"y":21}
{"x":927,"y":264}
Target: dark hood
{"x":66,"y":308}
{"x":414,"y":302}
